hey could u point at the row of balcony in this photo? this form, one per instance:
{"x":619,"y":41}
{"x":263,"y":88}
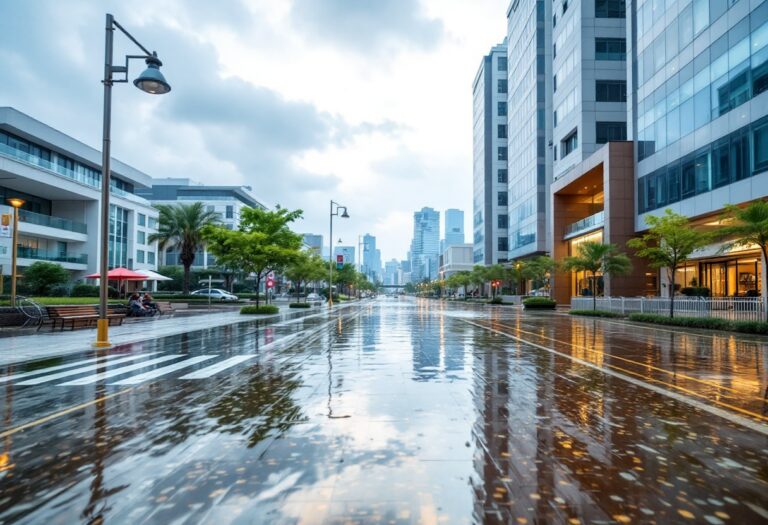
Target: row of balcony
{"x":24,"y":252}
{"x":52,"y":222}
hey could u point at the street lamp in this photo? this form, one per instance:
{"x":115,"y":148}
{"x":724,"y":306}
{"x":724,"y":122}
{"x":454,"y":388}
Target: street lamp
{"x":16,"y":204}
{"x":150,"y":81}
{"x":335,"y":209}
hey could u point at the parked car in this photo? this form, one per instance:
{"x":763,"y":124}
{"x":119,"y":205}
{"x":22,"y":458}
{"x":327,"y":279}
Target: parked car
{"x":315,"y":298}
{"x":216,"y":294}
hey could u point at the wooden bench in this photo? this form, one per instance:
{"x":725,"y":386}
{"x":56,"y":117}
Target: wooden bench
{"x":83,"y":315}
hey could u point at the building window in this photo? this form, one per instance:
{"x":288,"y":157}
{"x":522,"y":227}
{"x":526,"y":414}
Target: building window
{"x":610,"y":9}
{"x":503,"y":221}
{"x":502,"y":198}
{"x":565,"y":6}
{"x":142,"y":219}
{"x":502,"y":175}
{"x":501,"y":86}
{"x":141,"y":237}
{"x":554,"y":20}
{"x":570,"y":143}
{"x":501,"y":109}
{"x":150,"y":257}
{"x":503,"y":244}
{"x":502,"y":63}
{"x":502,"y":131}
{"x":502,"y":153}
{"x":140,"y":256}
{"x":118,"y":237}
{"x":761,"y":148}
{"x":611,"y":90}
{"x":610,"y":131}
{"x":610,"y":49}
{"x":230,"y":213}
{"x":153,"y":223}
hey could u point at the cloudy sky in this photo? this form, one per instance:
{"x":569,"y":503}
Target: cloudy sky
{"x":367,"y":102}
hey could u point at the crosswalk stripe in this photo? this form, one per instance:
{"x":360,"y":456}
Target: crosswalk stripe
{"x":81,"y":370}
{"x":59,"y":367}
{"x":218,"y":367}
{"x":119,"y":371}
{"x":147,"y":376}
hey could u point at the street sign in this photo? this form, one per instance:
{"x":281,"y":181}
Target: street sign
{"x":270,"y":282}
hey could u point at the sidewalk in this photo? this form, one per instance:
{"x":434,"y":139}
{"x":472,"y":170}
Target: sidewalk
{"x":26,"y":347}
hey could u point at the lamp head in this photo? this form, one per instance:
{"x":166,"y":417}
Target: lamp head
{"x":152,"y":80}
{"x":345,"y":215}
{"x":16,"y":202}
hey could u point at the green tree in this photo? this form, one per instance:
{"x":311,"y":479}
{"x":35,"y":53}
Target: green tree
{"x":747,"y":227}
{"x":345,"y":277}
{"x":478,"y":278}
{"x":669,"y":242}
{"x":306,"y":267}
{"x":180,"y":227}
{"x":409,"y":288}
{"x":596,"y":257}
{"x":42,"y":276}
{"x":262,"y":244}
{"x":496,"y":272}
{"x":538,"y":270}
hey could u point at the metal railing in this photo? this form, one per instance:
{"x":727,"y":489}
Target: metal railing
{"x":52,"y":222}
{"x":730,"y":308}
{"x":586,"y":223}
{"x":24,"y":252}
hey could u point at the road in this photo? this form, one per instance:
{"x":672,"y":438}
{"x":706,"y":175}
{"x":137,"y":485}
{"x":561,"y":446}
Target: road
{"x":393,"y":411}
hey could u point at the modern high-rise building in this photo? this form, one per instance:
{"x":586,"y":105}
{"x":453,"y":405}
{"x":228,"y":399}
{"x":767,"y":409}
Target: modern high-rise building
{"x":453,"y":229}
{"x":490,"y":197}
{"x":529,"y":116}
{"x":314,"y":242}
{"x":348,"y":252}
{"x":59,"y":179}
{"x":425,"y":244}
{"x":371,"y":263}
{"x":392,"y":273}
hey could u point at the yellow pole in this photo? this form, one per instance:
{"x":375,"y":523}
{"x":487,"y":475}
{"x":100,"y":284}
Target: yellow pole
{"x":16,"y":203}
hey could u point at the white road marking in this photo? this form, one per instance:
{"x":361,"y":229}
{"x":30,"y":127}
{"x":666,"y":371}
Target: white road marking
{"x":58,"y":367}
{"x":208,"y":371}
{"x":119,"y":371}
{"x":81,"y":370}
{"x":153,"y":374}
{"x":733,"y":418}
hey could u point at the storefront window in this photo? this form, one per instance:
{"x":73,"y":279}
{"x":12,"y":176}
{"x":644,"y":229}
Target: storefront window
{"x":583,"y":283}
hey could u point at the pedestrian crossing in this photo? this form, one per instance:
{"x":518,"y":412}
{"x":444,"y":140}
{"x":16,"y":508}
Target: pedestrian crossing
{"x":118,"y":369}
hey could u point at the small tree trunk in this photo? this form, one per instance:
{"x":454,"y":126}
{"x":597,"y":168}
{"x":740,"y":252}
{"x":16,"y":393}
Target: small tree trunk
{"x":258,"y":288}
{"x":764,"y":287}
{"x":298,"y":291}
{"x":672,"y":292}
{"x":594,"y":291}
{"x":185,"y":284}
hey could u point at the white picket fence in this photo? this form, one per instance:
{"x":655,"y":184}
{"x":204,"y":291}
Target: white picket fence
{"x":731,"y":308}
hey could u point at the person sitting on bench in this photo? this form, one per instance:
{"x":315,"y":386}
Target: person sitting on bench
{"x":149,"y":303}
{"x":136,"y":308}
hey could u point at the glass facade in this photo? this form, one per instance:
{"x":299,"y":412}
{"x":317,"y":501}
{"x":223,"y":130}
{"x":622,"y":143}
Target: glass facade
{"x":723,"y":76}
{"x":118,"y":236}
{"x":737,"y":156}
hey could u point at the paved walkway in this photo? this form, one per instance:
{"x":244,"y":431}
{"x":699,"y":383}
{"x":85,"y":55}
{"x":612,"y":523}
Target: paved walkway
{"x":46,"y":344}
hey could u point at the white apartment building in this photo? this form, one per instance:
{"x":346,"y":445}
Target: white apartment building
{"x":490,"y":197}
{"x":226,"y":201}
{"x":59,"y":179}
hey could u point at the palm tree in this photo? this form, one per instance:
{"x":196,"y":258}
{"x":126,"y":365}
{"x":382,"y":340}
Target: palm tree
{"x":749,"y":226}
{"x":180,"y":226}
{"x":596,"y":257}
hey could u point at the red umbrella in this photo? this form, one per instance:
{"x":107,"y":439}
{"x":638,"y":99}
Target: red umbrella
{"x":119,"y":274}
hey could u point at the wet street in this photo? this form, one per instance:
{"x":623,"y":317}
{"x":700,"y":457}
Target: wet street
{"x":392,"y":411}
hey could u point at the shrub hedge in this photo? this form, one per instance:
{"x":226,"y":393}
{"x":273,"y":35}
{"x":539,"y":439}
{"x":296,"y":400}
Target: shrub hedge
{"x":540,"y":303}
{"x":596,"y":313}
{"x":711,"y":323}
{"x":496,"y":300}
{"x":259,"y":310}
{"x":299,"y":305}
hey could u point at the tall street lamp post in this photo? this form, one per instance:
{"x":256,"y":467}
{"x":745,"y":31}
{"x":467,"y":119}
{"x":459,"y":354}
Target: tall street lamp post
{"x":336,"y":211}
{"x":16,"y":203}
{"x":150,"y":81}
{"x":361,"y":245}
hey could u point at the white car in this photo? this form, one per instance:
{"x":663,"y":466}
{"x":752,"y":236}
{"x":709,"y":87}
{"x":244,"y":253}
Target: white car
{"x":216,"y":294}
{"x":315,"y":298}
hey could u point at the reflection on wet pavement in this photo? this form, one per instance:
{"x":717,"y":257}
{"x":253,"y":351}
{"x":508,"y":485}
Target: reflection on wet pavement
{"x":393,"y":412}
